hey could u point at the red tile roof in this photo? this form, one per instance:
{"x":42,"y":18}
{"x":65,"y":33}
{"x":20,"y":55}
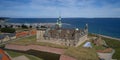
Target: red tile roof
{"x":4,"y":56}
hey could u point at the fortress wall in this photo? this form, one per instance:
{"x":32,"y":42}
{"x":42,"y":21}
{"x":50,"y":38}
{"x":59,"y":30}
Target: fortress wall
{"x":81,"y":40}
{"x":40,"y":34}
{"x":40,"y":37}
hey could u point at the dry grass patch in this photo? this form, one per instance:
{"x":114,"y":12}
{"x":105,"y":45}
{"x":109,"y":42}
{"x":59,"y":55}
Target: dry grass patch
{"x":82,"y":53}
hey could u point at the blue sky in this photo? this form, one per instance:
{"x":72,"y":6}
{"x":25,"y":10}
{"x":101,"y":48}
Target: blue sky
{"x":54,"y":8}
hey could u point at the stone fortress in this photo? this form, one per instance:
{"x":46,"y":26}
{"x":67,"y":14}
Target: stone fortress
{"x":62,"y":36}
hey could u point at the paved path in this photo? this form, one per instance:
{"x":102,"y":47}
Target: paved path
{"x":41,"y":48}
{"x":106,"y":56}
{"x":20,"y":58}
{"x":35,"y":47}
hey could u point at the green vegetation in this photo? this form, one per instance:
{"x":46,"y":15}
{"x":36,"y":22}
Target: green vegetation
{"x":116,"y":55}
{"x":8,"y":30}
{"x":34,"y":55}
{"x":2,"y":46}
{"x":98,"y":47}
{"x":24,"y":26}
{"x":14,"y":54}
{"x":90,"y":34}
{"x":115,"y":44}
{"x":25,"y":41}
{"x":112,"y":43}
{"x":76,"y":52}
{"x":43,"y":55}
{"x":51,"y":45}
{"x":82,"y":53}
{"x":32,"y":40}
{"x":31,"y":57}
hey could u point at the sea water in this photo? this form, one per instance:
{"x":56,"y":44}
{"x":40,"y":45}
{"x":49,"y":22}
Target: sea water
{"x":105,"y":26}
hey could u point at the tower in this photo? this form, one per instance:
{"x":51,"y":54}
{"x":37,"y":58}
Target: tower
{"x":86,"y":28}
{"x":59,"y":23}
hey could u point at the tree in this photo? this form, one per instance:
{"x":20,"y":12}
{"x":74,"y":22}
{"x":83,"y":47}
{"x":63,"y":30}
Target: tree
{"x":8,"y":30}
{"x":0,"y":26}
{"x":30,"y":26}
{"x":43,"y":27}
{"x":24,"y":26}
{"x":11,"y":26}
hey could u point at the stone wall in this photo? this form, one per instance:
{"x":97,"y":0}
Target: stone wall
{"x":40,"y":38}
{"x":81,"y":40}
{"x":40,"y":34}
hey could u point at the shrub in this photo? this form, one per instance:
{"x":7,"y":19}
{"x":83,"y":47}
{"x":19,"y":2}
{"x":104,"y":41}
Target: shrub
{"x":24,"y":27}
{"x":8,"y":30}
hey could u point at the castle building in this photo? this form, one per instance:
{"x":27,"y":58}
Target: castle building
{"x":62,"y":36}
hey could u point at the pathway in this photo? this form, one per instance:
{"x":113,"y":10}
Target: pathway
{"x":106,"y":56}
{"x":35,"y":47}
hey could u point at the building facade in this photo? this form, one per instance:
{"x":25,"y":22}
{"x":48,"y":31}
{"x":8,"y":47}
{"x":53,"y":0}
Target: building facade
{"x":62,"y":36}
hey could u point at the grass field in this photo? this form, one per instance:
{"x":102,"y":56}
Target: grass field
{"x":32,"y":40}
{"x":81,"y":53}
{"x":115,"y":44}
{"x":14,"y":54}
{"x":76,"y":52}
{"x":34,"y":55}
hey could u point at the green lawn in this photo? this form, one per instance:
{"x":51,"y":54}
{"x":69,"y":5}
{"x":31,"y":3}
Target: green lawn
{"x":115,"y":44}
{"x":81,"y":53}
{"x":14,"y":54}
{"x":34,"y":54}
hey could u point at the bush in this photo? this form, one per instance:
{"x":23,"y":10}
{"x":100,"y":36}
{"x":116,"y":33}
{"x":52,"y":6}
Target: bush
{"x":2,"y":46}
{"x":116,"y":55}
{"x":112,"y":43}
{"x":8,"y":30}
{"x":24,"y":27}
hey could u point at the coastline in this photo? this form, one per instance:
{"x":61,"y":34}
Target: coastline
{"x":105,"y":36}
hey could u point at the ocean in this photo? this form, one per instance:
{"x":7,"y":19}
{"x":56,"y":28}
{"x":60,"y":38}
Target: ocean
{"x":104,"y":26}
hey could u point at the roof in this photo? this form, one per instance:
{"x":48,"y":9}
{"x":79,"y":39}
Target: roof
{"x":3,"y":56}
{"x":63,"y":33}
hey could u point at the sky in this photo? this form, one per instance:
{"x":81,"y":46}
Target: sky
{"x":54,"y":8}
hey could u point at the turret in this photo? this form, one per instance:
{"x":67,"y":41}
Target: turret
{"x":59,"y":23}
{"x":86,"y":28}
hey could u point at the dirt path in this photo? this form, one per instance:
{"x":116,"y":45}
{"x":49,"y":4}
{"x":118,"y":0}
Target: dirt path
{"x":106,"y":56}
{"x":35,"y":47}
